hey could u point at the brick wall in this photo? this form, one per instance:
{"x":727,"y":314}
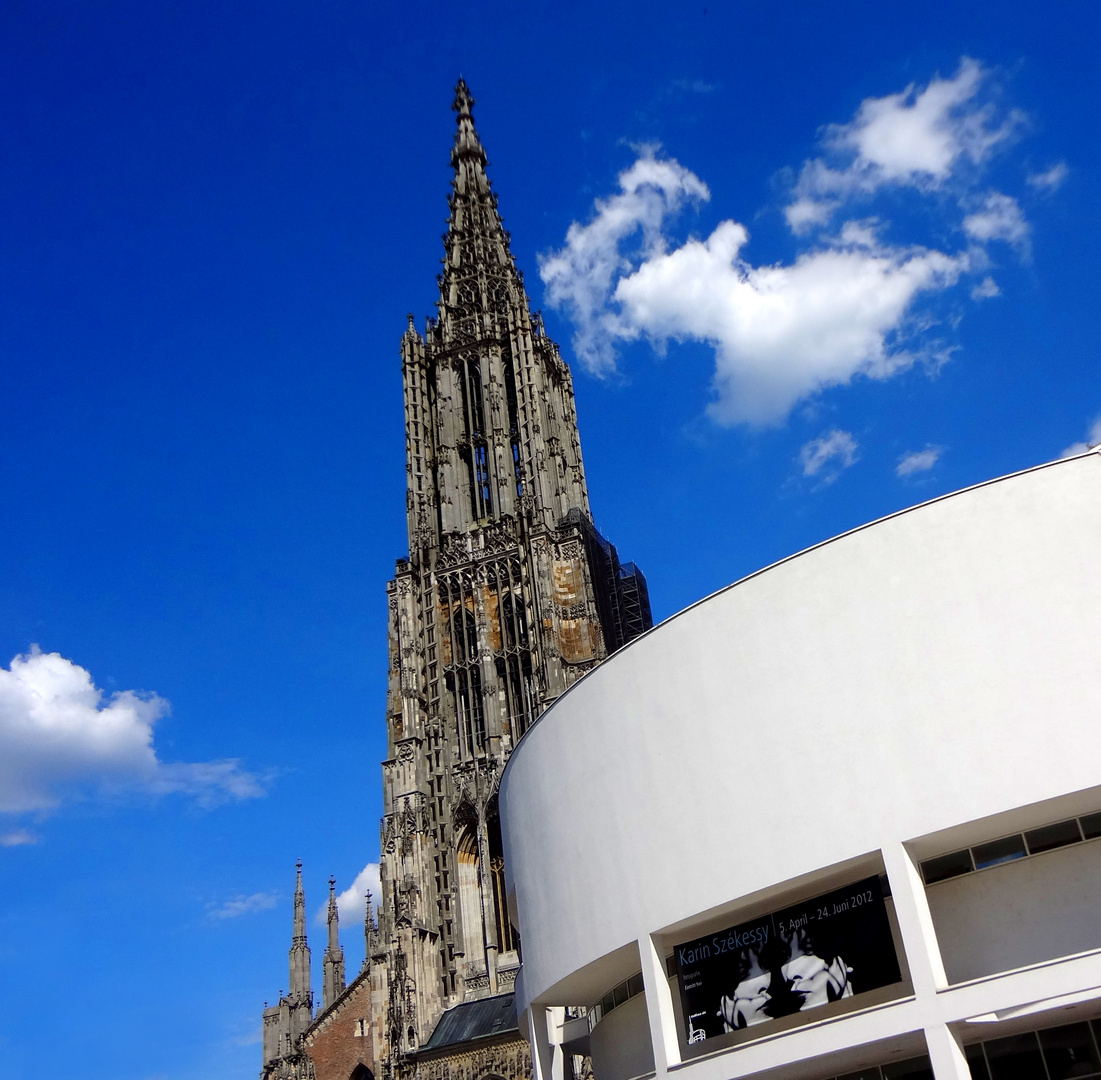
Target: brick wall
{"x":341,"y":1038}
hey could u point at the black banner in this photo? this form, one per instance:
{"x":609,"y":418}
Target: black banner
{"x":822,"y":950}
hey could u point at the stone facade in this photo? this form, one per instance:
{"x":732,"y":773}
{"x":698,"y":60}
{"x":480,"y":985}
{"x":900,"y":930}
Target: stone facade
{"x":503,"y":1057}
{"x":509,"y":595}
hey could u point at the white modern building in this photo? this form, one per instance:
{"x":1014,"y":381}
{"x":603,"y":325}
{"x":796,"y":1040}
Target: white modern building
{"x":842,"y":817}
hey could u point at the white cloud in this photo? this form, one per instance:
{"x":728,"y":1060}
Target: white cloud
{"x":350,"y":905}
{"x":827,"y":455}
{"x":848,"y":304}
{"x":236,"y":906}
{"x":1050,"y":179}
{"x":1000,"y":218}
{"x":781,"y":333}
{"x":59,"y":733}
{"x":986,"y":289}
{"x":915,"y":138}
{"x":18,"y":838}
{"x":579,"y":278}
{"x":1093,"y":438}
{"x":918,"y":461}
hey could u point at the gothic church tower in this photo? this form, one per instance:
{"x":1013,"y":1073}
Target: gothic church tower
{"x":508,"y":596}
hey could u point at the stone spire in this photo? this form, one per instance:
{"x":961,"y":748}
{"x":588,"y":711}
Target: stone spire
{"x":300,"y":951}
{"x":285,"y":1024}
{"x":480,"y":274}
{"x":333,"y":978}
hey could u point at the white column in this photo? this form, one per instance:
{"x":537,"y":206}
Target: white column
{"x":915,"y":922}
{"x":659,"y":1005}
{"x":919,"y":939}
{"x":546,"y":1054}
{"x":946,"y":1054}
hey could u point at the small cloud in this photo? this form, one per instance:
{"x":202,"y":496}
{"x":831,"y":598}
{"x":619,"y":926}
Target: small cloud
{"x":918,"y":461}
{"x":828,"y":455}
{"x":1000,"y":218}
{"x":1049,"y":180}
{"x":59,"y":734}
{"x":237,"y":906}
{"x":1093,"y":438}
{"x":18,"y":838}
{"x":986,"y":289}
{"x":916,"y":138}
{"x":693,"y":86}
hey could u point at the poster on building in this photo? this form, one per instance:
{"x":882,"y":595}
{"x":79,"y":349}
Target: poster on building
{"x":831,"y":947}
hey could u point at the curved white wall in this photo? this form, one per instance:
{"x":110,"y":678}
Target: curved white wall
{"x":936,"y":667}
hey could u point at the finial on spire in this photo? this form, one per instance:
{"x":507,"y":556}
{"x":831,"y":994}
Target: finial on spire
{"x":299,"y":905}
{"x":334,"y":918}
{"x":467,"y":147}
{"x":464,"y":99}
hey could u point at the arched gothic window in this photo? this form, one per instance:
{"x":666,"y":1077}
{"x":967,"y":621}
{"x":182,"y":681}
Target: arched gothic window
{"x":468,"y":874}
{"x":508,"y":940}
{"x":477,"y":456}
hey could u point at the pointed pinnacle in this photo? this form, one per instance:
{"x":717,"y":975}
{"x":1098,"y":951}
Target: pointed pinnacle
{"x":464,"y":99}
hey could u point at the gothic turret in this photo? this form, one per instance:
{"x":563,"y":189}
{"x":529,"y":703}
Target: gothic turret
{"x":286,"y":1023}
{"x":333,"y":976}
{"x":300,"y":951}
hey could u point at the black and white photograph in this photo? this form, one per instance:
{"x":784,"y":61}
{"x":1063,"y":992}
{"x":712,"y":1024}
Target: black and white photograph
{"x":827,"y":948}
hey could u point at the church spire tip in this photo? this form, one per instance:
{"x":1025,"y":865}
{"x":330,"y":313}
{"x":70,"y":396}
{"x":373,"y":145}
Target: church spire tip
{"x":467,"y":145}
{"x":464,"y":99}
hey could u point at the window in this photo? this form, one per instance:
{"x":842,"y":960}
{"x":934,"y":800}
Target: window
{"x":1008,"y":848}
{"x":999,"y":851}
{"x":470,"y":895}
{"x":507,"y":938}
{"x":1062,"y":1053}
{"x":477,"y":460}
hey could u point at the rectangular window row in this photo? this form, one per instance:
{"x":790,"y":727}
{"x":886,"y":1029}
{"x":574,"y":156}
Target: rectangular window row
{"x":626,"y":990}
{"x":919,"y":1068}
{"x":1008,"y":848}
{"x":1062,"y":1053}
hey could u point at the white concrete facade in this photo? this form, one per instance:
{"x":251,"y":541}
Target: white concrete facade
{"x":924,"y":684}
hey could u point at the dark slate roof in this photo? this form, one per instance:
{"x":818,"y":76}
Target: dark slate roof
{"x":474,"y":1020}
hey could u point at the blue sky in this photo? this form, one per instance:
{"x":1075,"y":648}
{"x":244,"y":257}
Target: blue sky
{"x":811,"y":264}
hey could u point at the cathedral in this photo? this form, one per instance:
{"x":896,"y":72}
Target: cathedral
{"x":508,"y":596}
